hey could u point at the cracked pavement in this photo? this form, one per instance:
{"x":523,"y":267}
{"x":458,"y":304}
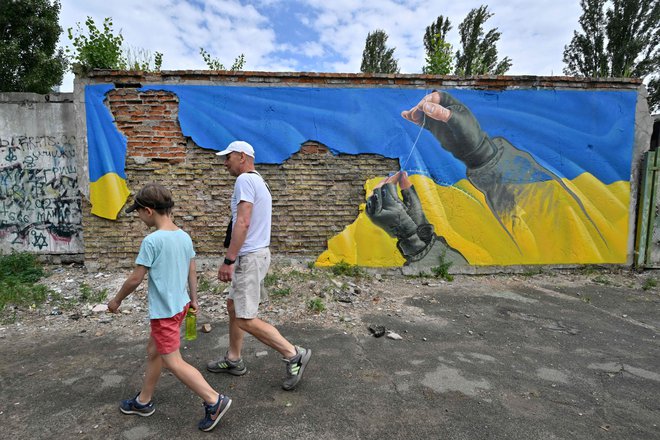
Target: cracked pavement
{"x":490,"y":357}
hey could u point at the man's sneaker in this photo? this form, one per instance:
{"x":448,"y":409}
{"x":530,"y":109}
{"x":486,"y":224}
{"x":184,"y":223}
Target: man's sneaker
{"x":214,"y":413}
{"x":224,"y":365}
{"x":295,"y":367}
{"x":132,"y":406}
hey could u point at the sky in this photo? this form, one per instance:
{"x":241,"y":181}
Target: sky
{"x":322,"y":35}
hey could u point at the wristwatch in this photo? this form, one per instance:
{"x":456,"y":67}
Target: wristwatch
{"x":229,"y":262}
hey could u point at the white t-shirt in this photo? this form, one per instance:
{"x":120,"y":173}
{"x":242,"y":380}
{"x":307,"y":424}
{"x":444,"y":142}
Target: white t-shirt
{"x":250,"y":187}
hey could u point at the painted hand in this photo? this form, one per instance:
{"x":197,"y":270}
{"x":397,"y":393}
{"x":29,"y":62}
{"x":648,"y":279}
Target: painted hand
{"x":401,"y":219}
{"x":454,"y":125}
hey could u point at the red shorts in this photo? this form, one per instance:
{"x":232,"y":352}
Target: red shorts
{"x":166,"y":332}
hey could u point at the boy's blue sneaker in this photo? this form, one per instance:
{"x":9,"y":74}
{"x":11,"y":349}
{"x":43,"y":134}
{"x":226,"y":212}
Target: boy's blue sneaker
{"x":131,"y":406}
{"x":214,"y":413}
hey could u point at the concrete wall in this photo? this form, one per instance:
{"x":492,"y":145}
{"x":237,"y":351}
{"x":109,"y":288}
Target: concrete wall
{"x":320,"y":190}
{"x":39,"y":198}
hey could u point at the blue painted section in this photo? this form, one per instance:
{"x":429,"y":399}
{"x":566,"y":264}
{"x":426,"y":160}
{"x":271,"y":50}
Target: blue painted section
{"x":568,"y":132}
{"x":106,"y":146}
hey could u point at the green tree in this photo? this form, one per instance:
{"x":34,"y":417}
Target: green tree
{"x":96,"y":48}
{"x":439,"y":53}
{"x":29,"y":58}
{"x":479,"y":55}
{"x":620,"y":41}
{"x":215,"y":64}
{"x":376,"y":57}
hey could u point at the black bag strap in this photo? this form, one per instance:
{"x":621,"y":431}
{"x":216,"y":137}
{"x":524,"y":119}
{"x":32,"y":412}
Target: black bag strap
{"x":262,"y":178}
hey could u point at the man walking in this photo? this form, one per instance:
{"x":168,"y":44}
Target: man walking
{"x":246,"y":264}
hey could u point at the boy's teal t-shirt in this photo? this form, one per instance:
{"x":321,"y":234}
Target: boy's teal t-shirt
{"x":167,"y":255}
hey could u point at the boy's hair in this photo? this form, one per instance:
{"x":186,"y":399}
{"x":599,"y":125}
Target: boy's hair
{"x":154,"y":196}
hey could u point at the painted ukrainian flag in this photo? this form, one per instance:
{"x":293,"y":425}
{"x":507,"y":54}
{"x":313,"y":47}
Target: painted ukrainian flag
{"x":584,"y":137}
{"x":106,"y":151}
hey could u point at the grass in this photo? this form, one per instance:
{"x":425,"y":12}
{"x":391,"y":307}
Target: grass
{"x":285,"y":291}
{"x":442,"y":270}
{"x":649,"y":283}
{"x":271,"y":279}
{"x":346,"y":269}
{"x":589,"y":269}
{"x":420,"y":274}
{"x":19,"y":273}
{"x":89,"y":295}
{"x":316,"y":305}
{"x":600,"y":279}
{"x":203,"y":284}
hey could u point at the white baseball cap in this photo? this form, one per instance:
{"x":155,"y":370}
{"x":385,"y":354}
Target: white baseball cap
{"x":238,"y":147}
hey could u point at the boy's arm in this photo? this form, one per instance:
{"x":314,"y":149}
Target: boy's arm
{"x":131,"y":283}
{"x":192,"y":285}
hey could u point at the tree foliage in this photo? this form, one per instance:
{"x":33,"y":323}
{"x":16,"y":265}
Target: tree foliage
{"x":439,"y":53}
{"x":96,"y":48}
{"x":479,"y":55}
{"x":620,"y":41}
{"x":29,"y":58}
{"x":215,"y":64}
{"x":376,"y":56}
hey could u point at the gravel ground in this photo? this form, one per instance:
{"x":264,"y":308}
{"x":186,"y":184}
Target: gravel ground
{"x":294,"y":289}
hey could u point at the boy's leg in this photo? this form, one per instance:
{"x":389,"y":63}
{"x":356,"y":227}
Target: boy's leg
{"x":189,"y":376}
{"x":141,"y":404}
{"x":215,"y":405}
{"x":152,"y":374}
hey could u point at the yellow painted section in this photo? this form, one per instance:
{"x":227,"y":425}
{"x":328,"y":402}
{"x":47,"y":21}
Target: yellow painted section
{"x":108,"y":195}
{"x":548,"y":226}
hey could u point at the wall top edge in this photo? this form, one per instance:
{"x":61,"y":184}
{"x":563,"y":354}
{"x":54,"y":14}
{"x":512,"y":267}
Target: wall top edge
{"x":24,"y":97}
{"x":122,"y":76}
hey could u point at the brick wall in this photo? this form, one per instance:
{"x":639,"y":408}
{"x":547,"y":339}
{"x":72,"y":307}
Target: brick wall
{"x":315,"y":194}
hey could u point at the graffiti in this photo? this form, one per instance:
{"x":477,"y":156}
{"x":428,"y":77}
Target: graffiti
{"x":40,"y":209}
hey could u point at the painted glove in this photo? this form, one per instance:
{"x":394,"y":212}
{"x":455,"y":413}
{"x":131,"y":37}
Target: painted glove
{"x":403,"y":220}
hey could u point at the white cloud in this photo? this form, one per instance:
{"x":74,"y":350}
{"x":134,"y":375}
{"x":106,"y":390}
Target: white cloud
{"x":322,"y":35}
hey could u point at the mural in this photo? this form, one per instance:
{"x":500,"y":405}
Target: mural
{"x":41,"y":210}
{"x":485,"y":178}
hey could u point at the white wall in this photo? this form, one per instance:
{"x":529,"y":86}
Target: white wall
{"x":40,"y":206}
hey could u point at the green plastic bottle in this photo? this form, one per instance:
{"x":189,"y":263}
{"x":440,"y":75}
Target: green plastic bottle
{"x":191,"y":326}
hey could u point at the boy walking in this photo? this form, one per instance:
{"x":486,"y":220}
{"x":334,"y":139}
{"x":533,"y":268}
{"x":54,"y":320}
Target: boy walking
{"x":167,"y":255}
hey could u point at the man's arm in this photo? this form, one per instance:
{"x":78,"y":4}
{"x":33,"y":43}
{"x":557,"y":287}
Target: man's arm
{"x":238,"y":236}
{"x":131,"y":283}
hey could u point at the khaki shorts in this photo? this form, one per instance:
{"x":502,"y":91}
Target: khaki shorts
{"x":247,"y":285}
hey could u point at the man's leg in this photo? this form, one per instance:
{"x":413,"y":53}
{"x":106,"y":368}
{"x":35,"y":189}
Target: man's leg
{"x":236,"y":335}
{"x":296,"y":358}
{"x":231,"y":362}
{"x":268,"y":335}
